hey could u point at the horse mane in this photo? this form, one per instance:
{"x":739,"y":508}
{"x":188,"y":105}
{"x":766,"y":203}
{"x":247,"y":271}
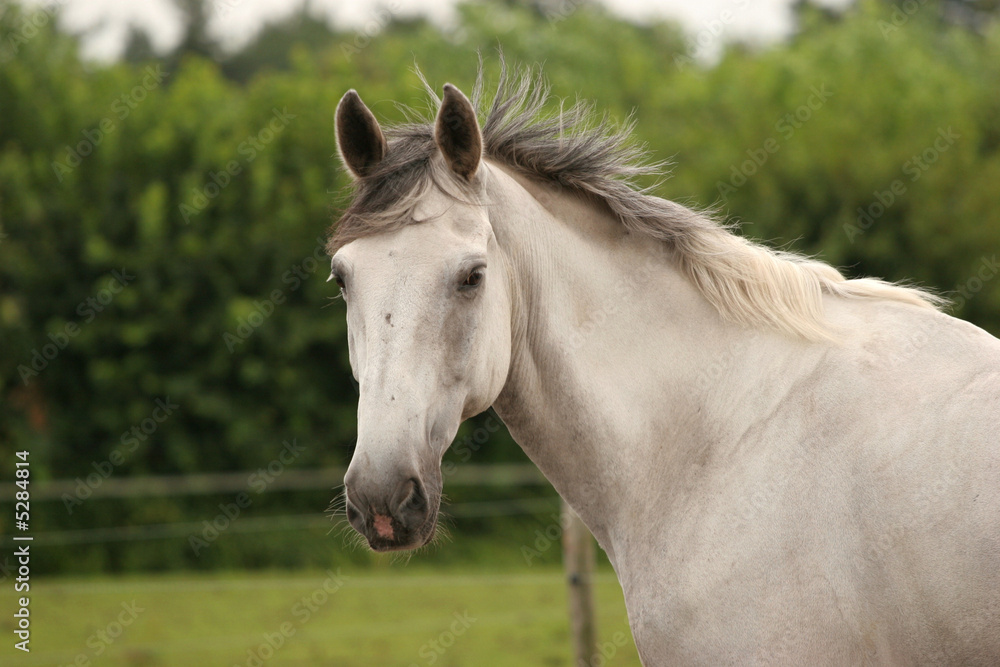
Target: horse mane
{"x":747,"y":283}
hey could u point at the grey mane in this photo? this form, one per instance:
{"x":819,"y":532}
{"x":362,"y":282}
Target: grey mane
{"x":582,"y":152}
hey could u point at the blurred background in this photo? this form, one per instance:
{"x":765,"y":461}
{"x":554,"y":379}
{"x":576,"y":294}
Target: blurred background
{"x":172,"y":361}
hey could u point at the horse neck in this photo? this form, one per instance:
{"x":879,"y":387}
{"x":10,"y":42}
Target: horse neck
{"x":623,"y":377}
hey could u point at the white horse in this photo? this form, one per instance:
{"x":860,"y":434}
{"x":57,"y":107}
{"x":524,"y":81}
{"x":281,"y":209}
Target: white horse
{"x":784,"y":466}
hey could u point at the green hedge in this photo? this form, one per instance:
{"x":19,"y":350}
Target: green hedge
{"x":162,"y":230}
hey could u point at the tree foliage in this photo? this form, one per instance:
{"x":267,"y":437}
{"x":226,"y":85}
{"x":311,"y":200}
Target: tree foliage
{"x":161,"y":228}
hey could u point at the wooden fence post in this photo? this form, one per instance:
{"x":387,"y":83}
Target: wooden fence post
{"x":578,"y":558}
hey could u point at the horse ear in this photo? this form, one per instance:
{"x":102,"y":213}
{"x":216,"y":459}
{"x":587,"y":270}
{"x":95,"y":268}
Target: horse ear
{"x":359,"y":137}
{"x":457,"y":133}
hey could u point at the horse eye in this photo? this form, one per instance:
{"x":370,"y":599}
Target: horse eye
{"x":337,"y":279}
{"x":474,"y":278}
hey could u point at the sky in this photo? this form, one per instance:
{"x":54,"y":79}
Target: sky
{"x":235,"y":21}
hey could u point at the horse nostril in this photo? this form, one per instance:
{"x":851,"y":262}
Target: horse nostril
{"x":415,"y":501}
{"x":350,"y":478}
{"x":353,"y":514}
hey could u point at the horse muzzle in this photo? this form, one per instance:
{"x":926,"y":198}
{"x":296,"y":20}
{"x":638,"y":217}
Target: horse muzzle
{"x":402,"y":518}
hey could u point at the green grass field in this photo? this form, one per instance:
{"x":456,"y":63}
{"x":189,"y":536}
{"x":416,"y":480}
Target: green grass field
{"x":364,"y":618}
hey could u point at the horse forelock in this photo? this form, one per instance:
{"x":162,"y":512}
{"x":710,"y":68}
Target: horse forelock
{"x":572,"y":147}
